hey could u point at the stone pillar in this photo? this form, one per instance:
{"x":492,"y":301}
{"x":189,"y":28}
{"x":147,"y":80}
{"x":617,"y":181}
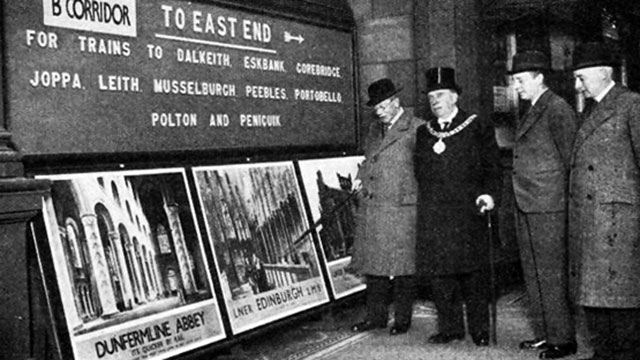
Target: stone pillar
{"x":125,"y":279}
{"x":386,"y":49}
{"x":182,"y":253}
{"x":100,"y":265}
{"x":448,"y":33}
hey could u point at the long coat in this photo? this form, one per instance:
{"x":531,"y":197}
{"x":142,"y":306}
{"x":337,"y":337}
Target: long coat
{"x":384,"y":242}
{"x":451,"y":232}
{"x":604,"y":204}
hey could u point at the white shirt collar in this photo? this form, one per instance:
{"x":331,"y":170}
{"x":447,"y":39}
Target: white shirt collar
{"x":604,"y":92}
{"x":449,"y":118}
{"x":533,"y":101}
{"x":395,"y":118}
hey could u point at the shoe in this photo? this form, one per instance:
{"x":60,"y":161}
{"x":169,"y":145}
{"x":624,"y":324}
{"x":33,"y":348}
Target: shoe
{"x":442,"y":338}
{"x":559,"y":351}
{"x":535,"y":344}
{"x":366,"y":326}
{"x":398,"y":329}
{"x":481,"y":339}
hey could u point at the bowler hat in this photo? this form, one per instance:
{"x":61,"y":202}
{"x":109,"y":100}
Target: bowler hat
{"x":593,"y":54}
{"x":531,"y":60}
{"x":381,"y":90}
{"x":439,"y":78}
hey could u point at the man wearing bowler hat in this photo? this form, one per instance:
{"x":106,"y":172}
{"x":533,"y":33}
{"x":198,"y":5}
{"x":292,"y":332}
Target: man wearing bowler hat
{"x":543,"y":141}
{"x":604,"y":207}
{"x":384,"y":245}
{"x":458,"y":174}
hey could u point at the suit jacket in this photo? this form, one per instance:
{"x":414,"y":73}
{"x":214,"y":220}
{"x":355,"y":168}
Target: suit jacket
{"x":604,"y":204}
{"x":543,"y":144}
{"x":384,"y":242}
{"x":451,"y":232}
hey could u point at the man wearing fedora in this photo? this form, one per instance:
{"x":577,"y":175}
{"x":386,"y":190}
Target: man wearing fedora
{"x":543,"y":141}
{"x":457,"y":168}
{"x":604,"y":207}
{"x":384,"y":245}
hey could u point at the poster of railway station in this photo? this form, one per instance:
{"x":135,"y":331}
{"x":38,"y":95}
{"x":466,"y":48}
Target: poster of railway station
{"x":130,"y":265}
{"x":330,"y":187}
{"x":266,"y":260}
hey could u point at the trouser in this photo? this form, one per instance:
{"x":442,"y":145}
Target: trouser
{"x":382,"y":291}
{"x":452,"y":291}
{"x":614,"y":333}
{"x":543,"y":254}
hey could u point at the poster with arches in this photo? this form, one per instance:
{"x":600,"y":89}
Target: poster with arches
{"x":130,"y":264}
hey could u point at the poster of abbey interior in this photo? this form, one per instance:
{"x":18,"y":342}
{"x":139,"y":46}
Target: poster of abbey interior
{"x":329,"y":186}
{"x":267,"y":263}
{"x":130,"y":265}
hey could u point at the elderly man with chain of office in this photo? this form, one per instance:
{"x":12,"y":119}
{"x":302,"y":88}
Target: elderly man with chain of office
{"x":457,"y":168}
{"x":604,"y":207}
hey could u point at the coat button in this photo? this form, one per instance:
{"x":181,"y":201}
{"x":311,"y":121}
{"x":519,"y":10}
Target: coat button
{"x":590,"y":167}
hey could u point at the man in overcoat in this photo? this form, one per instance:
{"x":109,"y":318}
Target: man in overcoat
{"x":604,"y":207}
{"x":543,"y":143}
{"x":384,"y":244}
{"x":457,"y":168}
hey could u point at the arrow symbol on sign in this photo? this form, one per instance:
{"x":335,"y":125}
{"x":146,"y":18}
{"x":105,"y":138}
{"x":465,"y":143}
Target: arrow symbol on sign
{"x":288,"y":37}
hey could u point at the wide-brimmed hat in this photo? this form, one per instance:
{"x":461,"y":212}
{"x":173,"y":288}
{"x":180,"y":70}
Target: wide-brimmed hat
{"x":594,"y":54}
{"x":439,"y":78}
{"x":530,"y":60}
{"x":381,"y":90}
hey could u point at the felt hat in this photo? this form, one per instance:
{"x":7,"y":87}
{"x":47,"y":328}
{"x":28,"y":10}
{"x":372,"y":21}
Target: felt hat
{"x":593,"y":54}
{"x":531,"y":60}
{"x":381,"y":90}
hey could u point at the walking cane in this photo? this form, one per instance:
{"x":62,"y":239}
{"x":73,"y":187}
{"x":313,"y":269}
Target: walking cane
{"x":494,"y":313}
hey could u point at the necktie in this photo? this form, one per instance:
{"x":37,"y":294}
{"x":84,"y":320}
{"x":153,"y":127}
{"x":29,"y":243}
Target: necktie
{"x":444,"y":125}
{"x":590,"y":104}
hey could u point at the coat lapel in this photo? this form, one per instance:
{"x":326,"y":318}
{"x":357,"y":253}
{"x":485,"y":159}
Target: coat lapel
{"x":534,"y":114}
{"x":602,"y":112}
{"x":396,"y":132}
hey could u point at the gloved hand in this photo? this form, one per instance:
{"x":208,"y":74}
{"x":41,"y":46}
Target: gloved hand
{"x":485,"y":203}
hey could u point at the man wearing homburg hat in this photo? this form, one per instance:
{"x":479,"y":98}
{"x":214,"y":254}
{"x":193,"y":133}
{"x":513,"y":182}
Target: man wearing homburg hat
{"x":457,"y":168}
{"x":384,"y":245}
{"x":543,"y":141}
{"x":604,"y":207}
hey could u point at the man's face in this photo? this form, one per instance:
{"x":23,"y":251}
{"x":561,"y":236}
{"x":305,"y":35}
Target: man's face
{"x":591,"y":81}
{"x":442,"y":102}
{"x":528,"y":84}
{"x":387,"y":110}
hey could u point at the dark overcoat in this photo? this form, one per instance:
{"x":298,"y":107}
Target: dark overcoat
{"x":385,"y":237}
{"x":604,"y":204}
{"x":451,"y":232}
